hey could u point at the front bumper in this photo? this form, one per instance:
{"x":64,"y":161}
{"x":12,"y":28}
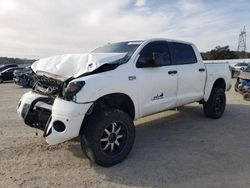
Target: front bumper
{"x":60,"y":121}
{"x":21,"y":81}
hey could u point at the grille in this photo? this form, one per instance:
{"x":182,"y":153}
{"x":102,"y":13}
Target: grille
{"x":47,"y":86}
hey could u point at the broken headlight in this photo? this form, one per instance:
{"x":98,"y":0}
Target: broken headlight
{"x":72,"y":89}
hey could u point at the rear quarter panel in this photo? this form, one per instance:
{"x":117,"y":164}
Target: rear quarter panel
{"x":214,"y":72}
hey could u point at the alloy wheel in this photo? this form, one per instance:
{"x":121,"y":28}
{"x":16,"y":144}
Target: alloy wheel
{"x":114,"y":138}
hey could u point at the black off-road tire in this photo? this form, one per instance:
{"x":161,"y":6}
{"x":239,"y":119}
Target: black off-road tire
{"x":215,"y":106}
{"x":1,"y":80}
{"x":96,"y":126}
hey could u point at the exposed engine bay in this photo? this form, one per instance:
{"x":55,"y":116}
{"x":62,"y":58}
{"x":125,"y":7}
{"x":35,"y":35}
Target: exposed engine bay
{"x":48,"y":86}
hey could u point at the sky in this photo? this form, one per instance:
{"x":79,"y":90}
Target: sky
{"x":42,"y":28}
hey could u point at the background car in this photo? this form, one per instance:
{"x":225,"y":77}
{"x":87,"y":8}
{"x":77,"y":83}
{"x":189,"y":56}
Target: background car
{"x":237,"y":68}
{"x":7,"y":74}
{"x":6,"y":66}
{"x":24,"y":77}
{"x":242,"y":84}
{"x":241,"y":66}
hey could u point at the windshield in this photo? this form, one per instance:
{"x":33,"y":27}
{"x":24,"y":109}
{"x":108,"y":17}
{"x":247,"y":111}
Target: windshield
{"x":120,"y":47}
{"x":128,"y":47}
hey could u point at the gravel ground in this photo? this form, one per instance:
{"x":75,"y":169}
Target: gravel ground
{"x":172,"y":149}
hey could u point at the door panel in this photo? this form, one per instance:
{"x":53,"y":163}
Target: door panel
{"x":9,"y":75}
{"x":191,"y":83}
{"x":157,"y":89}
{"x":191,"y":74}
{"x":157,"y":86}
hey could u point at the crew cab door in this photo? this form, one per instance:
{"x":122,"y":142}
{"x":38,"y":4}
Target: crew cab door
{"x":156,"y":78}
{"x":191,"y":73}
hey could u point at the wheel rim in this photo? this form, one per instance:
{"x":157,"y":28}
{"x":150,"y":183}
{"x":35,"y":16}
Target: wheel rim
{"x":219,"y":104}
{"x":114,"y":138}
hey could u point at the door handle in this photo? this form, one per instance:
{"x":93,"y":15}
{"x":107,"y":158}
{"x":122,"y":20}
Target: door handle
{"x":172,"y":72}
{"x":202,"y":70}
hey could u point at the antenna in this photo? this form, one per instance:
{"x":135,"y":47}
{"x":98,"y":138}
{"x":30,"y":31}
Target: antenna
{"x":242,"y":45}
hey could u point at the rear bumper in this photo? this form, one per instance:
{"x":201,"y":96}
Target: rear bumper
{"x":60,"y":121}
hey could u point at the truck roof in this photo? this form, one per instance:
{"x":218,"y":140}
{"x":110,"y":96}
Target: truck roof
{"x":153,"y":39}
{"x":166,"y":39}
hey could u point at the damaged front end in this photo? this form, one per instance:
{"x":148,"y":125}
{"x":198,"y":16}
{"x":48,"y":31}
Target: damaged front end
{"x":35,"y":110}
{"x":36,"y":116}
{"x":52,"y":105}
{"x":38,"y":109}
{"x":48,"y":86}
{"x":243,"y":87}
{"x":37,"y":105}
{"x":242,"y":84}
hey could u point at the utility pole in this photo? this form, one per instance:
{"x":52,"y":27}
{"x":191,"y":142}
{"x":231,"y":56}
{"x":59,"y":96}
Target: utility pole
{"x":242,"y":44}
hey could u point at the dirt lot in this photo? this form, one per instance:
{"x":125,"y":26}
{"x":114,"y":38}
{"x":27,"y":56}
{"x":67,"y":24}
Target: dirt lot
{"x":172,"y":149}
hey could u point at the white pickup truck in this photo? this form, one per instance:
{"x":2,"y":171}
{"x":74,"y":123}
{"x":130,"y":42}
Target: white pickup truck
{"x":97,"y":95}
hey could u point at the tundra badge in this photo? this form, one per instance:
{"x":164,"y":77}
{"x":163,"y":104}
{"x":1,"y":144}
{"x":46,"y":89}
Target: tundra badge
{"x":132,"y":78}
{"x":158,"y":96}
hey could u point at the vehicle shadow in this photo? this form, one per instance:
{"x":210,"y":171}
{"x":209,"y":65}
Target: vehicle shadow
{"x":176,"y":147}
{"x":7,"y":82}
{"x":75,"y":147}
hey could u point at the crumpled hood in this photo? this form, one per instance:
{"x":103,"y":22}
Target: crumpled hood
{"x":62,"y":67}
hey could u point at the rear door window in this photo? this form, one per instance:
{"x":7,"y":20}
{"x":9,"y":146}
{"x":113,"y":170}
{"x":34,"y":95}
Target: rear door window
{"x":183,"y":54}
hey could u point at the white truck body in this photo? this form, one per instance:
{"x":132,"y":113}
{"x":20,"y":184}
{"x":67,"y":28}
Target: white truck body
{"x":151,"y":89}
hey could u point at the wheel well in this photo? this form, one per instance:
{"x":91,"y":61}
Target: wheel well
{"x":220,"y":83}
{"x":117,"y":100}
{"x":114,"y":100}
